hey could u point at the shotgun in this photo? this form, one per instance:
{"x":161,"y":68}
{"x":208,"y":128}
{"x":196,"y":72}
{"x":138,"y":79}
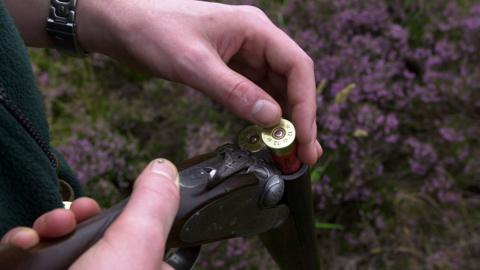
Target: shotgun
{"x":254,"y":187}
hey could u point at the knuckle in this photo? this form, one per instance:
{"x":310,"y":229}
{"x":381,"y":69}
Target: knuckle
{"x":320,"y":153}
{"x":192,"y":56}
{"x":240,"y":94}
{"x":8,"y":235}
{"x":172,"y":193}
{"x":167,"y":190}
{"x":254,"y":12}
{"x":308,"y":61}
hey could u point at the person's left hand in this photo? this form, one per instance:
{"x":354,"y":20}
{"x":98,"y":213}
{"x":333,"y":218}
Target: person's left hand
{"x":56,"y":223}
{"x":136,"y":238}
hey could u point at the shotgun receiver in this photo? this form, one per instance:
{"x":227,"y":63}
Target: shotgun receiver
{"x":229,"y":193}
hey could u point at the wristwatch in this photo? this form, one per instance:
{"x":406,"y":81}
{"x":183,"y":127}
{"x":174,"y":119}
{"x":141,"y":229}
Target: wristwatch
{"x":62,"y":28}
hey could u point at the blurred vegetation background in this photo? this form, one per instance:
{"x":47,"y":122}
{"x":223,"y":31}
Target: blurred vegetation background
{"x":399,"y":110}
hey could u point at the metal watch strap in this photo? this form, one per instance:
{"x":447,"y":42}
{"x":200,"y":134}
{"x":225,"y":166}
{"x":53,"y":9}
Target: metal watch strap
{"x":61,"y":26}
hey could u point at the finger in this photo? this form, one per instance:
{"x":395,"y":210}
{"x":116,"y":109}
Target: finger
{"x":269,"y":81}
{"x":140,"y":232}
{"x":22,"y":237}
{"x":166,"y":266}
{"x":240,"y":64}
{"x":155,"y":197}
{"x":84,"y":208}
{"x":231,"y":89}
{"x":56,"y":223}
{"x":286,"y":58}
{"x":319,"y":149}
{"x":278,"y":90}
{"x":308,"y":150}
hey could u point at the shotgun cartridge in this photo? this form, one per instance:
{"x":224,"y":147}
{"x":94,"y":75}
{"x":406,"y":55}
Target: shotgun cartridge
{"x":250,"y":139}
{"x":280,"y":139}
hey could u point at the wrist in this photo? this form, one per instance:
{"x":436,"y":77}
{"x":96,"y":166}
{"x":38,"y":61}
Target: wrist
{"x":30,"y":18}
{"x":96,"y":26}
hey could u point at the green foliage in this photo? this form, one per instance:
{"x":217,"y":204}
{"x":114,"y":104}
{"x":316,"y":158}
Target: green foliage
{"x":328,"y":226}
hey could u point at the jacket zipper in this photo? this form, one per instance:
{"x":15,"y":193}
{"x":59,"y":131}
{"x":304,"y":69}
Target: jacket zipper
{"x":27,"y":125}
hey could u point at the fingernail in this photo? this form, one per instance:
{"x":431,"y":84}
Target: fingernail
{"x":319,"y":149}
{"x":24,"y":238}
{"x":265,"y":112}
{"x":165,"y":168}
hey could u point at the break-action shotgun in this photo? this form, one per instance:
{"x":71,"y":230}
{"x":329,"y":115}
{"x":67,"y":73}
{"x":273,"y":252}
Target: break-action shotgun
{"x":254,"y":187}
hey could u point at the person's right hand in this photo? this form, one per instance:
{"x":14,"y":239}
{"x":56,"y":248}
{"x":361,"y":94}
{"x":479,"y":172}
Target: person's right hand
{"x":232,"y":53}
{"x":136,"y":240}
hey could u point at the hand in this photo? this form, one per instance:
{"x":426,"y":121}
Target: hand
{"x":136,"y":240}
{"x":56,"y":223}
{"x":234,"y":54}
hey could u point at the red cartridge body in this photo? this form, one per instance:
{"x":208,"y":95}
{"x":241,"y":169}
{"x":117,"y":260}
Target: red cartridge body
{"x":288,"y":163}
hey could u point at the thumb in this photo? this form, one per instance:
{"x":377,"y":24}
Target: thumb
{"x":154,"y":202}
{"x":140,"y":232}
{"x":234,"y":91}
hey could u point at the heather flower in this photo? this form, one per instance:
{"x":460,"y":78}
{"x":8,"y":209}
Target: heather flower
{"x":399,"y":33}
{"x":423,"y":156}
{"x":379,"y":223}
{"x":323,"y":191}
{"x":391,"y":123}
{"x":396,"y":124}
{"x":441,"y":187}
{"x":450,"y":135}
{"x":209,"y":141}
{"x":43,"y":78}
{"x":95,"y":151}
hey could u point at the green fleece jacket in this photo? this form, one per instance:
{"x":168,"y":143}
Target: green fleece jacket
{"x":29,"y":167}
